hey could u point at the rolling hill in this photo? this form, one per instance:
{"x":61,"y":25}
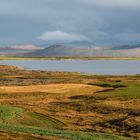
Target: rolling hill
{"x":16,"y":50}
{"x":125,"y":47}
{"x":63,"y":50}
{"x":72,"y":49}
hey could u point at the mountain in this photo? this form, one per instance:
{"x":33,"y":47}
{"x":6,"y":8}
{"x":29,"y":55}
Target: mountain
{"x":18,"y":49}
{"x":125,"y":47}
{"x":63,"y":50}
{"x":79,"y":44}
{"x":93,"y":50}
{"x":70,"y":44}
{"x":71,"y":49}
{"x":79,"y":48}
{"x":134,"y":52}
{"x":25,"y":47}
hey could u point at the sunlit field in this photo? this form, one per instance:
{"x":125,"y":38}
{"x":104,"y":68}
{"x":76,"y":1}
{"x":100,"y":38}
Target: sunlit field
{"x":63,"y":105}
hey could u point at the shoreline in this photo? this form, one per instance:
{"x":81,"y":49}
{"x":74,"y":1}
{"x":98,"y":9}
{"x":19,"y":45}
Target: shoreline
{"x":70,"y":72}
{"x":67,"y":58}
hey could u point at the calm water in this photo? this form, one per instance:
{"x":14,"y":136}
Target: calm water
{"x":111,"y":67}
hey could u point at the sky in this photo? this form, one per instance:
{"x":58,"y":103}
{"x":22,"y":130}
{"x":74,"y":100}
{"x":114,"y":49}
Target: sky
{"x":41,"y":21}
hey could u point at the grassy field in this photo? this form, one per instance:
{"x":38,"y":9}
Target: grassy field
{"x":65,"y":58}
{"x":62,"y":105}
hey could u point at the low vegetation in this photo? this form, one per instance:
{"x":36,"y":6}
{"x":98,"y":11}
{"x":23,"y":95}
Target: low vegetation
{"x":66,"y":57}
{"x":63,"y":105}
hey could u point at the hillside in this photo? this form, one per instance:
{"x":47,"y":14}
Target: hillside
{"x":18,"y":49}
{"x":71,"y":49}
{"x":63,"y":50}
{"x":125,"y":47}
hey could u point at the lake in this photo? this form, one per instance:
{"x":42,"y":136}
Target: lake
{"x":107,"y":67}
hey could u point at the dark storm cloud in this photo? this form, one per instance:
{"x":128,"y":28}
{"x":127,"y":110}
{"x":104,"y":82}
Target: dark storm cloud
{"x":103,"y":22}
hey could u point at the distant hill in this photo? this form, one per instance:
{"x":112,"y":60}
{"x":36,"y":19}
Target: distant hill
{"x":62,"y":50}
{"x":79,"y":44}
{"x":18,"y":49}
{"x":124,"y":47}
{"x":70,"y":44}
{"x":72,"y":49}
{"x":93,"y":50}
{"x":26,"y":47}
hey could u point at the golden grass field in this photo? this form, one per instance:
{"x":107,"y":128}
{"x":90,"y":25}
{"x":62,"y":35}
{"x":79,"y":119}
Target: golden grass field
{"x":52,"y":88}
{"x":69,"y":103}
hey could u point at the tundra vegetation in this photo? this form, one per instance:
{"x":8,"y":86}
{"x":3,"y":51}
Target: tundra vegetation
{"x":62,"y":105}
{"x":66,"y":58}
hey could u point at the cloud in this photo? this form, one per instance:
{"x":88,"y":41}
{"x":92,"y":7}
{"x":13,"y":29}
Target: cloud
{"x":103,"y":21}
{"x":114,"y":3}
{"x":62,"y":36}
{"x":128,"y":36}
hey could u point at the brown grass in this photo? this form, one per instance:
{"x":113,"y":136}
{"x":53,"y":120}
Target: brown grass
{"x":51,"y":88}
{"x":73,"y":99}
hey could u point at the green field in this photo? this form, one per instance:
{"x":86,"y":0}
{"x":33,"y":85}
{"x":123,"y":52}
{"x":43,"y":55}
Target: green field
{"x":65,"y":58}
{"x":11,"y":118}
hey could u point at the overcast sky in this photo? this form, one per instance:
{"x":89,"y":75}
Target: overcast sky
{"x":42,"y":21}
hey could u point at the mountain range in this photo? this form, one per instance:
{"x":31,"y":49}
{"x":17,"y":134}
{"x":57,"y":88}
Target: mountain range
{"x":72,"y":49}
